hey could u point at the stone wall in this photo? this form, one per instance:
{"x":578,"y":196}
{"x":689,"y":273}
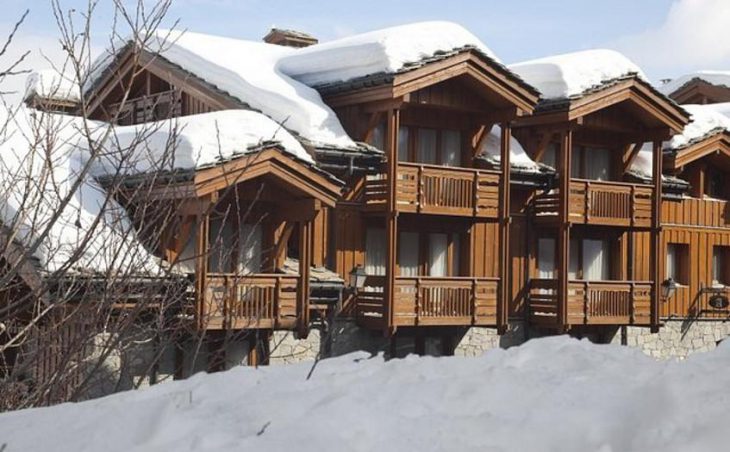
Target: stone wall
{"x":478,"y":340}
{"x":676,"y":338}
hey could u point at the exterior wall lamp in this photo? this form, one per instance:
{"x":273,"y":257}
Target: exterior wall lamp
{"x":357,"y":278}
{"x":669,"y":287}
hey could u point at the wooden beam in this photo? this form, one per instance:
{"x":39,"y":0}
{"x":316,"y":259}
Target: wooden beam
{"x":391,"y":218}
{"x":201,"y":268}
{"x":630,"y":154}
{"x":306,"y":245}
{"x":542,"y":145}
{"x":655,"y":244}
{"x":564,"y":166}
{"x":504,"y":224}
{"x":280,"y":247}
{"x":375,"y":119}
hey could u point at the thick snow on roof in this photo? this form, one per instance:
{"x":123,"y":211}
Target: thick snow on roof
{"x":199,"y":140}
{"x":550,"y":394}
{"x":706,"y":120}
{"x":718,"y":78}
{"x":491,"y":150}
{"x":51,"y":84}
{"x":572,"y":74}
{"x":43,"y":156}
{"x":248,"y":71}
{"x":388,"y":50}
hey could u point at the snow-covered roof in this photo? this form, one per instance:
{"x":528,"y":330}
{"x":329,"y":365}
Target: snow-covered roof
{"x":717,"y":78}
{"x":491,"y":151}
{"x":572,"y":74}
{"x":248,"y":71}
{"x":44,"y":155}
{"x":53,"y":85}
{"x":199,"y":140}
{"x":381,"y":51}
{"x":706,"y":121}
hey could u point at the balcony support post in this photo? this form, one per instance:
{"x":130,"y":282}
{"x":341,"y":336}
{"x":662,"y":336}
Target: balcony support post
{"x":391,"y":218}
{"x":306,"y":245}
{"x":566,"y":145}
{"x":202,"y":221}
{"x":504,"y":221}
{"x":655,"y":243}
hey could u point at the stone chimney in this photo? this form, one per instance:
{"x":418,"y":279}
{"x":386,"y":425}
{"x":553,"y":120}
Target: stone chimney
{"x":289,"y":38}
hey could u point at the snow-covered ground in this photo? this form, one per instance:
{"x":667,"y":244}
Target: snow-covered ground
{"x":555,"y":394}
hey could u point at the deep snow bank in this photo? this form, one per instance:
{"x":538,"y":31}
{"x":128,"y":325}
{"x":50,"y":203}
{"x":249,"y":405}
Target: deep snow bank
{"x":549,"y":394}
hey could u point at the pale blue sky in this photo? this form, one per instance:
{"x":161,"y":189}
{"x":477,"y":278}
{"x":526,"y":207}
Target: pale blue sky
{"x":665,"y":37}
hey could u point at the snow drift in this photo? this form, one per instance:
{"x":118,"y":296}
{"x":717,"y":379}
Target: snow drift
{"x":556,"y":394}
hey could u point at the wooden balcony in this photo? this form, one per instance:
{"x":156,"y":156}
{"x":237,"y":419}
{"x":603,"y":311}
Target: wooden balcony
{"x":251,"y":301}
{"x":592,"y":302}
{"x":426,"y":300}
{"x":438,"y":190}
{"x":154,"y":107}
{"x":600,"y":203}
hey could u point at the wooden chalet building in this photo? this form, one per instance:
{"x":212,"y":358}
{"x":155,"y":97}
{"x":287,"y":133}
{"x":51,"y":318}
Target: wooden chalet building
{"x":459,"y":193}
{"x":696,"y":227}
{"x":594,"y":246}
{"x":705,"y":87}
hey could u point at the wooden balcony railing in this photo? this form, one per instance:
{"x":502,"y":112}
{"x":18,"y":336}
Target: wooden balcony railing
{"x":431,"y":300}
{"x":155,"y":107}
{"x":440,"y":190}
{"x":601,"y":203}
{"x":250,"y":301}
{"x":592,"y":302}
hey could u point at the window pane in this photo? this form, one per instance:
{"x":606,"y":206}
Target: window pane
{"x":456,"y":246}
{"x":576,"y":169}
{"x":573,"y":261}
{"x":408,"y":253}
{"x":672,"y":261}
{"x":221,"y":237}
{"x":403,"y":144}
{"x":249,"y":255}
{"x":375,"y":251}
{"x":550,"y":156}
{"x":451,"y":147}
{"x":377,"y":139}
{"x":546,"y":258}
{"x":598,"y":164}
{"x":438,"y":251}
{"x":426,"y":152}
{"x":595,"y":260}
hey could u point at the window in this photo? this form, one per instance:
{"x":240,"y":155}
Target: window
{"x":234,"y":250}
{"x":451,"y":147}
{"x":720,"y":255}
{"x":408,"y":246}
{"x":546,"y":258}
{"x":589,"y":259}
{"x":677,"y":266}
{"x":590,"y":163}
{"x":426,"y":149}
{"x":438,"y":249}
{"x":403,"y":144}
{"x":375,"y":251}
{"x":377,"y":138}
{"x":714,"y":185}
{"x":432,"y":146}
{"x":550,"y":157}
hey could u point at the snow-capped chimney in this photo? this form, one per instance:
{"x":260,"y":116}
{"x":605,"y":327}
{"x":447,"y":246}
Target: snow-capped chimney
{"x":289,"y":38}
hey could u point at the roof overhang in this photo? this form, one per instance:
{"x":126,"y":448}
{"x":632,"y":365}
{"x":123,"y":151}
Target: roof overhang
{"x":663,"y":111}
{"x":498,"y":81}
{"x":697,"y":87}
{"x":717,"y":143}
{"x":298,"y":176}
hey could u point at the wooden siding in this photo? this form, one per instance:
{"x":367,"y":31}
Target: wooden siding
{"x":700,"y":224}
